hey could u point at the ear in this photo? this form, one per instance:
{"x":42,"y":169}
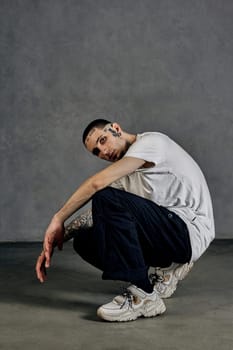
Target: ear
{"x":116,"y":127}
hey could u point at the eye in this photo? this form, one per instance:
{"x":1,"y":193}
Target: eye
{"x":103,"y":140}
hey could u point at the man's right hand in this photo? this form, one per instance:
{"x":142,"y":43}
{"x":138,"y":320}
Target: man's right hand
{"x":40,"y":267}
{"x":54,"y":236}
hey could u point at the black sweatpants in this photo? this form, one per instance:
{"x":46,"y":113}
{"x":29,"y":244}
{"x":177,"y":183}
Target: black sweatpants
{"x":130,"y":234}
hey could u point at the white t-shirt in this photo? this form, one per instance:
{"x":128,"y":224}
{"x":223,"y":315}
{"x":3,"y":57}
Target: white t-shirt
{"x":176,"y":182}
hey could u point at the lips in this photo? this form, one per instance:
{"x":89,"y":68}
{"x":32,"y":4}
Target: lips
{"x":112,"y":156}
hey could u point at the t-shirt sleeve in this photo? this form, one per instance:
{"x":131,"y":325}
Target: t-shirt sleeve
{"x":149,"y":147}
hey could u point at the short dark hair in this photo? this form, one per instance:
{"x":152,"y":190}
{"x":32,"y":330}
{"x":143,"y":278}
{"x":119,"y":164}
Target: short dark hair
{"x":97,"y":123}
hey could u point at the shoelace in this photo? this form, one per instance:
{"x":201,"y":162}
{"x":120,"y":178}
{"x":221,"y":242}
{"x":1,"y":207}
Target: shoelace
{"x":158,"y":280}
{"x":155,"y":277}
{"x":128,"y":298}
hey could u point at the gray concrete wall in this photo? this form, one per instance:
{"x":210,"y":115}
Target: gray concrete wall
{"x":151,"y":65}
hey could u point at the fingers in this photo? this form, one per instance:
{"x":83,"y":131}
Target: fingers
{"x":40,"y":268}
{"x":52,"y":238}
{"x":48,"y":250}
{"x":47,"y":259}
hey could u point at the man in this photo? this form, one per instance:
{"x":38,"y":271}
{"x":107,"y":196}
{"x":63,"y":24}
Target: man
{"x":150,"y":208}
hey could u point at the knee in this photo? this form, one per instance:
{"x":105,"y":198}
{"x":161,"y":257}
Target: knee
{"x":106,"y":194}
{"x":80,"y":240}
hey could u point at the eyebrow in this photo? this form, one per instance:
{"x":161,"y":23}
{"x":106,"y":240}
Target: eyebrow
{"x":98,"y":139}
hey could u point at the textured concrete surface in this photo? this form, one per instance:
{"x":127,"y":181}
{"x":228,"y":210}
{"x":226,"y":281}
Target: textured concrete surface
{"x":61,"y":314}
{"x":162,"y":65}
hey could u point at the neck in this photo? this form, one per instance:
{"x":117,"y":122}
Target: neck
{"x":130,"y":138}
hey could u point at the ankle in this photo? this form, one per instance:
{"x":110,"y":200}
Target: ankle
{"x":145,"y":285}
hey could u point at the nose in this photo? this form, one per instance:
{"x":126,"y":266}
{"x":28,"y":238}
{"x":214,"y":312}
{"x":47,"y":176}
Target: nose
{"x":103,"y":152}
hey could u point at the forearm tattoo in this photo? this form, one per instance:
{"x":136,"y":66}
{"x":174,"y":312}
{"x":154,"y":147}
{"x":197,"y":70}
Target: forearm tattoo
{"x":84,"y":220}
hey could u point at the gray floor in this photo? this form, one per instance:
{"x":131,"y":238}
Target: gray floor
{"x":61,"y":314}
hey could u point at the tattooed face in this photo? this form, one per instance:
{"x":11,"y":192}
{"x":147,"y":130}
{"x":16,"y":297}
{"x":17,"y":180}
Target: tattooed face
{"x":107,"y":143}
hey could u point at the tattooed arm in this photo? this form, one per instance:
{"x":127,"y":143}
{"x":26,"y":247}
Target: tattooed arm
{"x":84,"y":220}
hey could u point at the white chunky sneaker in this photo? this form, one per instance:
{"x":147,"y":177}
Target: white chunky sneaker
{"x":165,"y":279}
{"x":132,"y":304}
